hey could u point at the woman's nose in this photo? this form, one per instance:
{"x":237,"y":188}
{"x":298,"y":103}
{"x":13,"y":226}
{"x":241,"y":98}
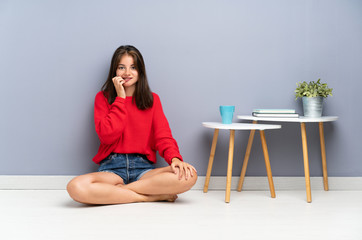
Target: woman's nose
{"x":127,"y":71}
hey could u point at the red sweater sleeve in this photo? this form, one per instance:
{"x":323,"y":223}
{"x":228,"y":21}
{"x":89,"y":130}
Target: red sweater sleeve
{"x":165,"y":144}
{"x":110,"y":120}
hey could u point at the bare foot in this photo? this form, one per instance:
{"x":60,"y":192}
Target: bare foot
{"x":163,"y":197}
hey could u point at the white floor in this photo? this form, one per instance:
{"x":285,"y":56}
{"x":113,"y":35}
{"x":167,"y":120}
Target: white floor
{"x":51,"y":214}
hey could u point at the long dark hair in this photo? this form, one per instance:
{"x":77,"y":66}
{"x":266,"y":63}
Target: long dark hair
{"x":142,"y":95}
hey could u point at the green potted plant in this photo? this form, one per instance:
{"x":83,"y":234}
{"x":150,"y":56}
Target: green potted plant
{"x":312,"y":95}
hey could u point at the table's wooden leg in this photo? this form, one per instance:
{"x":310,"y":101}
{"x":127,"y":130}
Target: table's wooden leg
{"x":246,"y":159}
{"x":323,"y":153}
{"x":267,"y":163}
{"x":306,"y":162}
{"x":211,"y":160}
{"x":230,"y":166}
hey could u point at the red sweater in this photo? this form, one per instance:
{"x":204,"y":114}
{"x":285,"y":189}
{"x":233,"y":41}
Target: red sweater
{"x":123,"y":128}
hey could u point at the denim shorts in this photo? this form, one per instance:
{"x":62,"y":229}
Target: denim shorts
{"x":130,"y":167}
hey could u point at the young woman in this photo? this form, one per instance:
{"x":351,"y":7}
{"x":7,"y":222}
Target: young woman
{"x":131,"y":126}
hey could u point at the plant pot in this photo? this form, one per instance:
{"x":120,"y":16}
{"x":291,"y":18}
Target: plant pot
{"x":312,"y":106}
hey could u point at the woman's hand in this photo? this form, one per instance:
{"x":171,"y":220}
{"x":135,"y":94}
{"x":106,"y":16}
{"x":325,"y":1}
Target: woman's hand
{"x":182,"y":169}
{"x":118,"y":84}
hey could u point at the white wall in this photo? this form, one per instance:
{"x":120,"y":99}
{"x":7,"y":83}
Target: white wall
{"x":55,"y":55}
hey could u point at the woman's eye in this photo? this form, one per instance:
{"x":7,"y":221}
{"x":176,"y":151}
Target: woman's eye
{"x":133,"y":68}
{"x":121,"y":68}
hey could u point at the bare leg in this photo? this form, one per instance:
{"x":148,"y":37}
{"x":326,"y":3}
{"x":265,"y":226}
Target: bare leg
{"x":161,"y":181}
{"x":107,"y":188}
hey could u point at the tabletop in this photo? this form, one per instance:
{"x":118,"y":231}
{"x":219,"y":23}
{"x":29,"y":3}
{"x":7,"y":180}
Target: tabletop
{"x":240,"y":126}
{"x":300,"y":119}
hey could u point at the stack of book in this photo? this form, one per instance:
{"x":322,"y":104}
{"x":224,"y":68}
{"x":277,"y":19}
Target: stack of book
{"x":278,"y":113}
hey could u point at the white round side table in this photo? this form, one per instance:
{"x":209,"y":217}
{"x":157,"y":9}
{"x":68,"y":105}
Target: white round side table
{"x":302,"y":121}
{"x":232,"y":127}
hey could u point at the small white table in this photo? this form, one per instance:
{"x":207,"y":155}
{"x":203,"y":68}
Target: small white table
{"x":232,"y":127}
{"x":302,"y":121}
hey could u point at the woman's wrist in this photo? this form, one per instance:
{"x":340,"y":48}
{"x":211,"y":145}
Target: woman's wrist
{"x":175,"y":159}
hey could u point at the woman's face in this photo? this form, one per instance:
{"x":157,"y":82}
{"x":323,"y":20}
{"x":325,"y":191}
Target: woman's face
{"x":127,"y":70}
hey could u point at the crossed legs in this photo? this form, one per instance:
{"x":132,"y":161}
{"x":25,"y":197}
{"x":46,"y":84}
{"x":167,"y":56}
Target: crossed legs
{"x":159,"y":184}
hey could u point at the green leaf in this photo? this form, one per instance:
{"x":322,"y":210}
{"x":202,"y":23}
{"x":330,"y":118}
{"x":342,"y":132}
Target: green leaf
{"x":312,"y":89}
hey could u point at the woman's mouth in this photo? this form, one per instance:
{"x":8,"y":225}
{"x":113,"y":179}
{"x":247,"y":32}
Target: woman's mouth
{"x":127,"y":79}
